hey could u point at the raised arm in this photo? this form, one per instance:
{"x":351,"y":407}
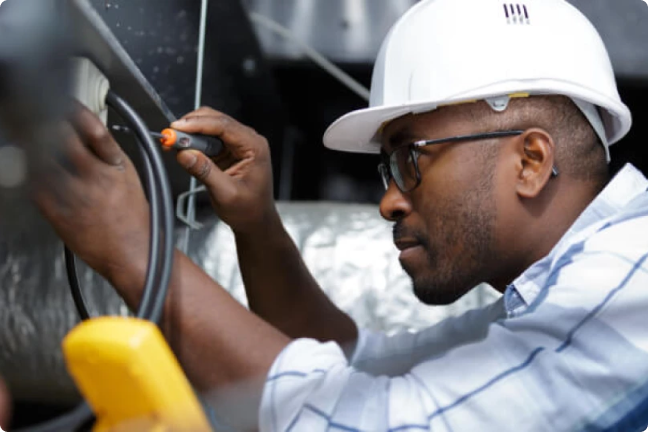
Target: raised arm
{"x":279,"y":286}
{"x":93,"y":198}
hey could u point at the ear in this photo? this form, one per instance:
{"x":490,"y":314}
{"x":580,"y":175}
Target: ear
{"x":537,"y":156}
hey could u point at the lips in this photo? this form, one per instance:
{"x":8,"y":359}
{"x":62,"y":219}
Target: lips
{"x":406,"y":238}
{"x":404,"y":244}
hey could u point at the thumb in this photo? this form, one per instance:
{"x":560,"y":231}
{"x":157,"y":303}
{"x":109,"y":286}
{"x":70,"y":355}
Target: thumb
{"x":204,"y":170}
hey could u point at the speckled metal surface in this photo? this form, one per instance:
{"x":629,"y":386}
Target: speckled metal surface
{"x":161,"y":38}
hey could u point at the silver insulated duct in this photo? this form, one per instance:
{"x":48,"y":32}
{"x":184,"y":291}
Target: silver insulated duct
{"x":347,"y":247}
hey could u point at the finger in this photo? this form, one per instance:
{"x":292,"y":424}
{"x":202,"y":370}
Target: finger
{"x":59,"y":172}
{"x":202,"y":111}
{"x":224,"y":160}
{"x":74,"y":157}
{"x":241,"y":140}
{"x":218,"y":183}
{"x":53,"y":190}
{"x":97,"y":137}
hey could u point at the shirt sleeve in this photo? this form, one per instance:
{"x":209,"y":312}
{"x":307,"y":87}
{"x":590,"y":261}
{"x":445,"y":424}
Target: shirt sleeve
{"x":576,"y":360}
{"x":380,"y":354}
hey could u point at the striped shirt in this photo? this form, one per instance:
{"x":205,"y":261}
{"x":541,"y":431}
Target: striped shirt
{"x":564,"y":349}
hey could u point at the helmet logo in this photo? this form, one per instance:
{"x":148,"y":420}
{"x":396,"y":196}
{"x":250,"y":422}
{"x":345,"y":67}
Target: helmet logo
{"x":516,"y":14}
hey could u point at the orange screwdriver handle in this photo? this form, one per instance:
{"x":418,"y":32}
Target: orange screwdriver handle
{"x":174,"y":139}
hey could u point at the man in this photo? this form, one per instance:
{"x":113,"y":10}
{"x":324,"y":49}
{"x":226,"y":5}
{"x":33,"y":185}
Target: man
{"x":495,"y":146}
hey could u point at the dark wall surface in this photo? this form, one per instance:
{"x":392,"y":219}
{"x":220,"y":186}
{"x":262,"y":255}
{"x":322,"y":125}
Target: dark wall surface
{"x":162,"y":38}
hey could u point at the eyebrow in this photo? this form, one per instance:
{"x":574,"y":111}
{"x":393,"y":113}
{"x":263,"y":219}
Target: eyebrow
{"x":400,"y":137}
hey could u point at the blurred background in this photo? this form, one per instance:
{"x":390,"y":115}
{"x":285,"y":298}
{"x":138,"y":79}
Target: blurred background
{"x":265,"y":78}
{"x":263,"y":65}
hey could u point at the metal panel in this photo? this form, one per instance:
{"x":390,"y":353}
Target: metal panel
{"x":161,"y":38}
{"x":96,"y":41}
{"x":238,"y":79}
{"x":121,"y":38}
{"x":351,"y":31}
{"x":343,"y":30}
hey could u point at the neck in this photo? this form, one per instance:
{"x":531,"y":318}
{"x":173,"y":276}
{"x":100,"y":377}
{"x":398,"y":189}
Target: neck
{"x":542,"y":223}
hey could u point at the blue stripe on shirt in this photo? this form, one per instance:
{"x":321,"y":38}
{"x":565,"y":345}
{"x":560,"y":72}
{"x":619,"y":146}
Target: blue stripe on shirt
{"x":536,"y":351}
{"x":434,"y":399}
{"x":409,"y":426}
{"x":285,"y":374}
{"x":566,"y":259}
{"x":600,"y":306}
{"x":328,"y":419}
{"x":634,"y":419}
{"x":497,"y":378}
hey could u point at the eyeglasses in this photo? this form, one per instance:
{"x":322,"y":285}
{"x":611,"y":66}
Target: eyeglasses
{"x":402,"y":163}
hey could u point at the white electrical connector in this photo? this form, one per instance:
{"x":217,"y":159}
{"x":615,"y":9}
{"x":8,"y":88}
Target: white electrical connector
{"x":90,"y":87}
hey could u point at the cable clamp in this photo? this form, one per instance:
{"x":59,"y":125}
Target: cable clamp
{"x":182,"y":208}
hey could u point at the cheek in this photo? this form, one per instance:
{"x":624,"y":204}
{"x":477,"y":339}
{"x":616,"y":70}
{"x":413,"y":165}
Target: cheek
{"x":505,"y":202}
{"x":445,"y":182}
{"x":449,"y":170}
{"x":455,"y":203}
{"x":440,"y":206}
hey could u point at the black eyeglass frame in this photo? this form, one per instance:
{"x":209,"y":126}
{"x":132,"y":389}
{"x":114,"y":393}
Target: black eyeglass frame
{"x":389,"y":162}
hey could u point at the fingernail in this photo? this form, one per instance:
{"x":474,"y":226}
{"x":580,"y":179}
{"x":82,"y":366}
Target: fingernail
{"x":178,"y":122}
{"x":187,"y":159}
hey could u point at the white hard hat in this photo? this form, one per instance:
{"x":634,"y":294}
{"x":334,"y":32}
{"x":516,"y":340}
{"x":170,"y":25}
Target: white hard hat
{"x":444,"y":52}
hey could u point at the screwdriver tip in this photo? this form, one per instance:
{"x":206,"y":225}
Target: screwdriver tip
{"x":120,"y":128}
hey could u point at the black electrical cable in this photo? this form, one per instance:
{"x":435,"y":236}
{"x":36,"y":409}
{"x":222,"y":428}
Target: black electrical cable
{"x":73,"y":280}
{"x":152,"y":277}
{"x":158,"y":276}
{"x":153,"y":312}
{"x":168,"y":248}
{"x":156,"y":282}
{"x":153,"y":192}
{"x":69,"y":422}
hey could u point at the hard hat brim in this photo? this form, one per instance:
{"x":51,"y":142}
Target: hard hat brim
{"x":359,"y":131}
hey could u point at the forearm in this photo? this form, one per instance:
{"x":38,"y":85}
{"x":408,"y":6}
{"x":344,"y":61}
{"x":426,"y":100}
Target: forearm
{"x":282,"y":291}
{"x":5,"y":405}
{"x":217,"y":341}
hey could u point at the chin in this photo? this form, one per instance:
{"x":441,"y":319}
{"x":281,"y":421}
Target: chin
{"x":436,"y":284}
{"x":436,"y":291}
{"x":437,"y":297}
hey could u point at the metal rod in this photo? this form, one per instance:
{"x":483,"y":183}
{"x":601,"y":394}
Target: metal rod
{"x":191,"y":211}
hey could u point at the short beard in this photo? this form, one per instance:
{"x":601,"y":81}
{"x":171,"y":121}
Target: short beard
{"x":464,"y":251}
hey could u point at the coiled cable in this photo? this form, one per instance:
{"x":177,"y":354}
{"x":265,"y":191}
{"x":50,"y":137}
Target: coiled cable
{"x":161,"y":251}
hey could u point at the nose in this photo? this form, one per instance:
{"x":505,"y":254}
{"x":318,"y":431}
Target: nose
{"x":395,"y":205}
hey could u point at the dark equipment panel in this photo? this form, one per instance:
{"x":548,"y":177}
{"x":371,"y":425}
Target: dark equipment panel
{"x":162,"y":39}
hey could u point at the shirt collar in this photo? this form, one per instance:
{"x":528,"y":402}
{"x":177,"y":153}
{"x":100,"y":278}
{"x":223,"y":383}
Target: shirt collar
{"x":623,"y":188}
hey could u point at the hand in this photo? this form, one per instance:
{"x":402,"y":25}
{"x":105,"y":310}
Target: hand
{"x":94,"y":199}
{"x":5,"y":406}
{"x":239,"y":180}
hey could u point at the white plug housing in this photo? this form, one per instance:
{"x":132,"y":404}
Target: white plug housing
{"x":90,"y":87}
